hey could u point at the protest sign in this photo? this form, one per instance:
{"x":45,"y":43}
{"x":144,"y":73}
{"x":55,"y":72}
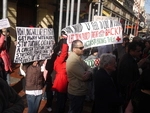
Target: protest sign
{"x":92,"y":63}
{"x":131,"y":37}
{"x":95,"y":33}
{"x":33,"y":44}
{"x":4,"y":23}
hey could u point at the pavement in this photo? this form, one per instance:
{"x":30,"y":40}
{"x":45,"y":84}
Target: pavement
{"x":16,"y":83}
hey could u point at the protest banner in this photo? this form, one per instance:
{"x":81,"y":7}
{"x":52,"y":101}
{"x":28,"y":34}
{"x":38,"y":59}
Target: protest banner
{"x":33,"y":44}
{"x":4,"y":23}
{"x":95,"y":33}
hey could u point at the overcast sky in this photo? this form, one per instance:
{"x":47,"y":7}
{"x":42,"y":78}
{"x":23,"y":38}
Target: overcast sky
{"x":147,"y":6}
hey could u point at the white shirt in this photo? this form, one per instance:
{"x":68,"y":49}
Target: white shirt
{"x":34,"y":92}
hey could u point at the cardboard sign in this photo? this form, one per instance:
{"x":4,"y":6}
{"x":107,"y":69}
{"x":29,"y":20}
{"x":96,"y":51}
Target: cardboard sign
{"x":33,"y":44}
{"x":4,"y":23}
{"x":95,"y":33}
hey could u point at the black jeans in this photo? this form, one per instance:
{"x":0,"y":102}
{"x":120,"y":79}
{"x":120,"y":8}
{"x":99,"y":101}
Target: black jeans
{"x":49,"y":95}
{"x":60,"y":102}
{"x":76,"y":103}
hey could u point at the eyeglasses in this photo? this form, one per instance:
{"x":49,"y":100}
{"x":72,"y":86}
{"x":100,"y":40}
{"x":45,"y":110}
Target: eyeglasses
{"x":79,"y":47}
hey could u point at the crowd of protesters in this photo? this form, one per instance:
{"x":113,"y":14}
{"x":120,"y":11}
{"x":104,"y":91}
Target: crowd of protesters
{"x":120,"y":83}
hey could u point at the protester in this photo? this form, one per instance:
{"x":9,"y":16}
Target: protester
{"x":10,"y":101}
{"x":78,"y":75}
{"x":121,"y":48}
{"x":140,"y":100}
{"x":61,"y":82}
{"x":92,"y":56}
{"x":34,"y":85}
{"x":49,"y":68}
{"x":146,"y":51}
{"x":128,"y":70}
{"x":86,"y":53}
{"x":107,"y":98}
{"x":139,"y":40}
{"x":5,"y":56}
{"x":2,"y":70}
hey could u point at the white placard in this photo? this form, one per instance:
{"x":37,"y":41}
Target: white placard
{"x":33,"y":44}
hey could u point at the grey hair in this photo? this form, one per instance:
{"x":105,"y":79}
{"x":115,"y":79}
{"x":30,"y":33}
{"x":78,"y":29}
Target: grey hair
{"x":105,"y":59}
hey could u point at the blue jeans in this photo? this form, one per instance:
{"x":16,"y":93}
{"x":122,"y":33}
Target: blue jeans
{"x":33,"y":103}
{"x":76,"y":103}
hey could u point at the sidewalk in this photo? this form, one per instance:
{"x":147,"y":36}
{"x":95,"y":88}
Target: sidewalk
{"x":16,"y":83}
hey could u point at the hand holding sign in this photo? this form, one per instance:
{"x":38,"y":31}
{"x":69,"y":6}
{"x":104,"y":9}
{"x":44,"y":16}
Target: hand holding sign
{"x":63,"y":34}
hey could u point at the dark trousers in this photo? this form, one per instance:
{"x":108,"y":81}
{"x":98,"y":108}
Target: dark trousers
{"x":76,"y":103}
{"x":60,"y":102}
{"x":49,"y":95}
{"x":3,"y":75}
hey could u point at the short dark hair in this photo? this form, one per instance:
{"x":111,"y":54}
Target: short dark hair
{"x":74,"y":44}
{"x":93,"y":50}
{"x":133,"y":45}
{"x":59,"y":44}
{"x":126,"y":39}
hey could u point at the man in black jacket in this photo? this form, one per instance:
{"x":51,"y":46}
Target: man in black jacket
{"x":107,"y":99}
{"x":128,"y":70}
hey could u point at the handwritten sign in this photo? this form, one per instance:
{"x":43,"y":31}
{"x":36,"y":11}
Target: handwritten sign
{"x":4,"y":23}
{"x":33,"y":44}
{"x":95,"y":33}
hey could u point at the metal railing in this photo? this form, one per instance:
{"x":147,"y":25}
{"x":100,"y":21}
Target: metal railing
{"x":69,"y":20}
